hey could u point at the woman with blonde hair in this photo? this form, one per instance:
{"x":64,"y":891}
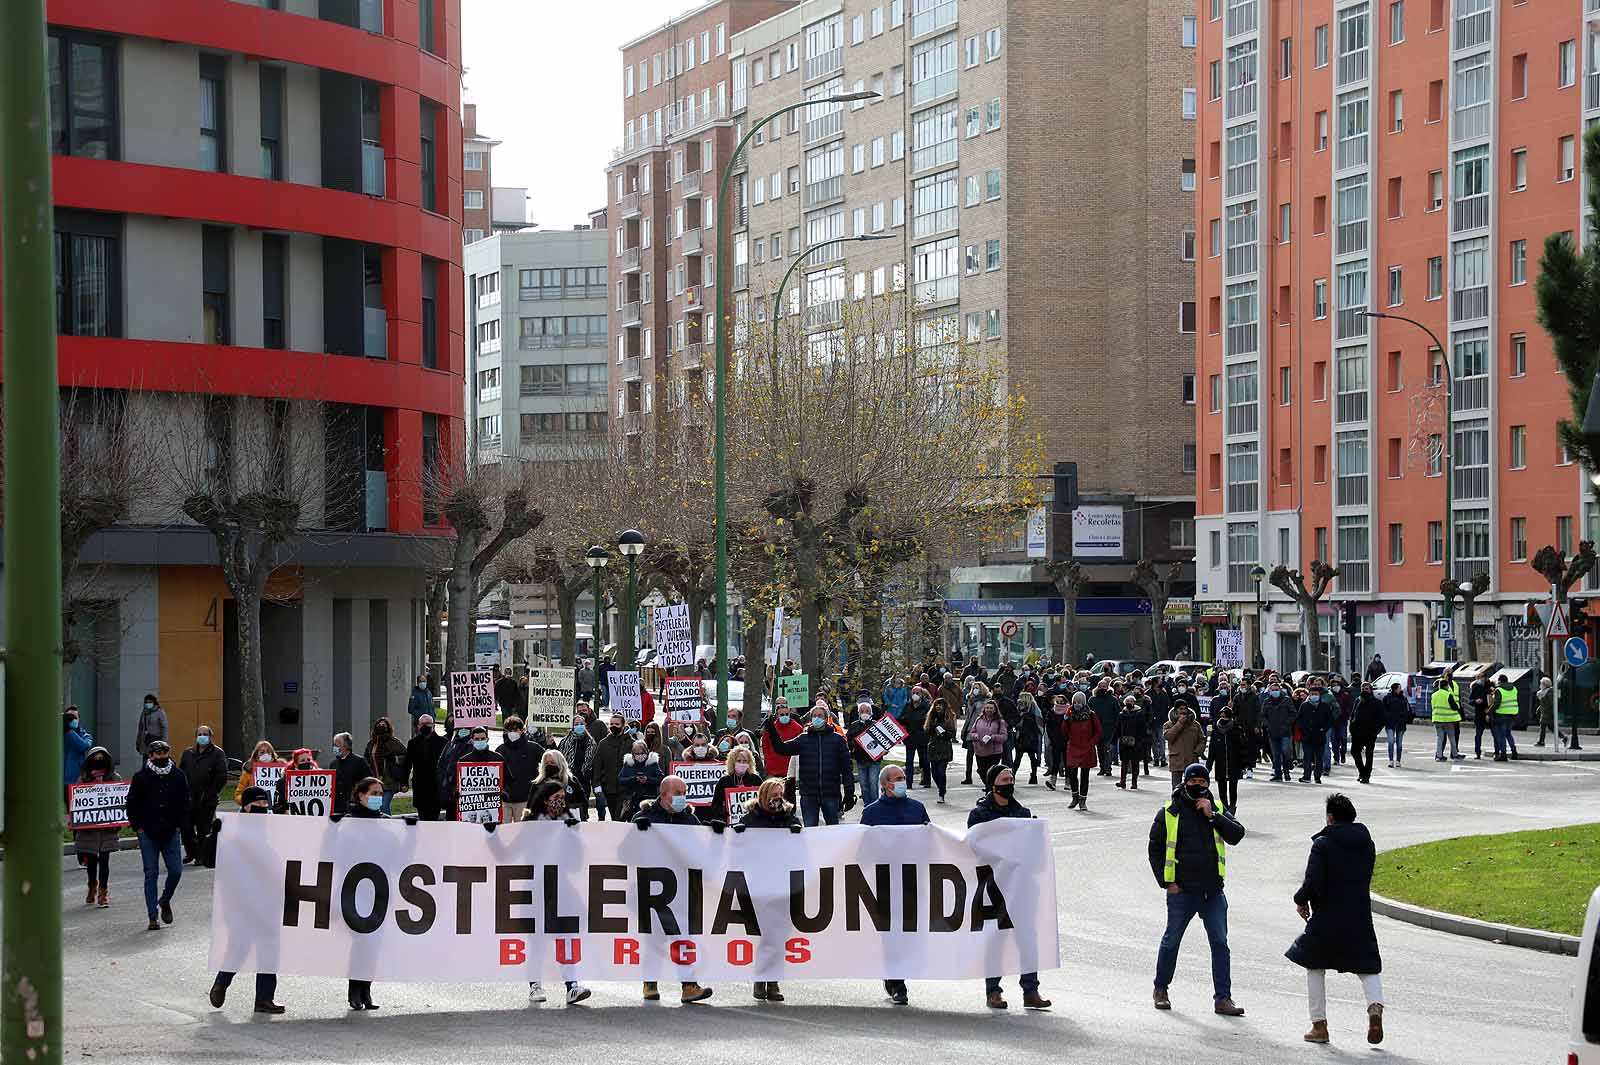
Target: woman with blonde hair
{"x":768,"y":810}
{"x":740,"y":772}
{"x":264,"y":754}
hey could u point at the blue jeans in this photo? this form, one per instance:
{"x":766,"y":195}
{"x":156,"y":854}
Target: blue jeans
{"x":1029,"y":982}
{"x":1282,"y":748}
{"x":388,"y":799}
{"x":1339,"y":738}
{"x":1442,"y":731}
{"x":1314,"y":745}
{"x":867,"y":780}
{"x":810,"y":808}
{"x":913,"y":752}
{"x":153,"y":854}
{"x":1213,"y":910}
{"x":266,"y":984}
{"x":1397,"y":739}
{"x":1500,"y":728}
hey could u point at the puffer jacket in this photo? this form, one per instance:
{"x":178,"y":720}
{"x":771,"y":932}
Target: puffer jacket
{"x":1185,"y":742}
{"x":1278,"y":714}
{"x":987,"y":736}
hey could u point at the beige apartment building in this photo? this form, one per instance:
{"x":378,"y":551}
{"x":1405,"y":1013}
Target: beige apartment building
{"x":1032,"y":160}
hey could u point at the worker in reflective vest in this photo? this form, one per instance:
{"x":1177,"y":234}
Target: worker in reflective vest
{"x":1505,"y":715}
{"x":1188,"y":855}
{"x":1446,"y":716}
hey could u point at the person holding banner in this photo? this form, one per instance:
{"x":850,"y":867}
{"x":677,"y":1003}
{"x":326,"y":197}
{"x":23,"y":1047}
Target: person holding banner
{"x":158,"y":808}
{"x":555,"y":772}
{"x":671,"y":807}
{"x":999,"y":800}
{"x":94,"y":846}
{"x":742,"y":773}
{"x":639,"y":779}
{"x":768,"y":810}
{"x":867,"y":768}
{"x":421,"y":768}
{"x":824,"y":768}
{"x":263,"y":754}
{"x":366,"y":804}
{"x":252,"y":800}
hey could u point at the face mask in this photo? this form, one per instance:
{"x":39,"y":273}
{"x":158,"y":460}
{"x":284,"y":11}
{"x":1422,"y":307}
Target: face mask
{"x":1004,"y":790}
{"x":732,"y":722}
{"x":898,"y":790}
{"x":616,"y":730}
{"x":724,"y":746}
{"x":1194,"y":791}
{"x":579,"y":729}
{"x":776,"y":804}
{"x":1338,"y":688}
{"x":202,"y":741}
{"x":374,"y":802}
{"x":255,"y":809}
{"x":550,"y":769}
{"x":700,"y":750}
{"x":303,"y":765}
{"x":680,"y":803}
{"x":161,"y":761}
{"x":513,"y":737}
{"x":480,"y":745}
{"x":263,"y":757}
{"x":1181,"y":689}
{"x":149,"y":706}
{"x":819,"y":722}
{"x":463,"y":733}
{"x":1275,"y":691}
{"x":866,"y":715}
{"x":783,"y":719}
{"x":97,"y":773}
{"x":741,"y":768}
{"x":556,"y":810}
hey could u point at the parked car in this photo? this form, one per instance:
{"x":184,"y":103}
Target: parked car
{"x":1168,"y":666}
{"x":735,"y":698}
{"x":1119,"y":667}
{"x":1417,"y":688}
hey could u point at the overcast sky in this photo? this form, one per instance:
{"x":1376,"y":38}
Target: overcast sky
{"x":547,"y":78}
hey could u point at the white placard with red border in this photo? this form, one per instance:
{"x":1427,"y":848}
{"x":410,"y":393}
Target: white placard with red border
{"x":101,"y":804}
{"x":701,"y":780}
{"x":734,"y":799}
{"x":879,"y":739}
{"x":478,"y":791}
{"x":309,"y":792}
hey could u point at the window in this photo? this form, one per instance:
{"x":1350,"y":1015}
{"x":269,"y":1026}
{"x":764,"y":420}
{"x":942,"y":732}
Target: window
{"x":1519,"y":354}
{"x":877,"y":151}
{"x":1564,"y":534}
{"x":1243,"y":552}
{"x":429,"y":117}
{"x":1435,"y":543}
{"x":215,"y":243}
{"x":430,"y":312}
{"x":1243,"y":398}
{"x":1353,"y":545}
{"x":972,"y":258}
{"x":271,"y":79}
{"x":1397,"y":544}
{"x":1214,"y":233}
{"x":1566,"y":64}
{"x":1215,"y":543}
{"x":1519,"y":76}
{"x":1566,"y":159}
{"x":213,"y":113}
{"x":1319,"y":298}
{"x":1241,"y":79}
{"x":933,"y":67}
{"x":1188,"y":103}
{"x":929,"y":15}
{"x":897,"y":14}
{"x":991,"y":329}
{"x":1435,"y":190}
{"x":991,"y":117}
{"x":472,"y":199}
{"x":1186,"y":181}
{"x":933,"y":204}
{"x":974,"y":121}
{"x":991,"y":184}
{"x":1319,"y":46}
{"x":1188,"y":389}
{"x":1186,"y":241}
{"x":897,"y":145}
{"x":1191,"y":31}
{"x":1322,"y":131}
{"x":1519,"y":539}
{"x":83,"y":95}
{"x":1397,"y":111}
{"x":933,"y":137}
{"x":1519,"y":447}
{"x":1285,"y":386}
{"x":274,"y":255}
{"x":858,"y":31}
{"x":88,"y":266}
{"x":1435,"y":101}
{"x":936,"y":270}
{"x":1519,"y":262}
{"x":1286,"y":58}
{"x":1243,"y":485}
{"x":1397,"y":294}
{"x":1186,"y":316}
{"x":877,"y":20}
{"x":1397,"y":21}
{"x":971,"y":48}
{"x":1436,"y":277}
{"x":991,"y":254}
{"x":991,"y":44}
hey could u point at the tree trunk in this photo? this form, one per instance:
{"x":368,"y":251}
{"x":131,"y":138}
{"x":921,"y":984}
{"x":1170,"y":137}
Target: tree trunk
{"x":871,"y":672}
{"x":696,"y":602}
{"x":1308,"y":635}
{"x":1471,"y":630}
{"x":463,"y":609}
{"x":252,"y":701}
{"x":1158,"y":623}
{"x":755,"y":662}
{"x":1069,"y":629}
{"x":433,"y":645}
{"x":567,"y":608}
{"x":810,"y":609}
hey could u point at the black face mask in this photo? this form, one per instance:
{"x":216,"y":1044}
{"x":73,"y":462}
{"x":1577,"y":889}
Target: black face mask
{"x":616,"y":730}
{"x":1005,"y":790}
{"x":1195,"y":791}
{"x":256,"y":810}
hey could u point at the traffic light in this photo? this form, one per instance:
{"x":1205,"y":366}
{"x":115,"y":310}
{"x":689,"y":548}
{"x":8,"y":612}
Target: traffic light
{"x":1578,"y":622}
{"x":1351,"y":624}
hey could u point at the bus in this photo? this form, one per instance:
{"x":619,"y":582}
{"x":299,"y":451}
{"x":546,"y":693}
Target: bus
{"x":515,"y":648}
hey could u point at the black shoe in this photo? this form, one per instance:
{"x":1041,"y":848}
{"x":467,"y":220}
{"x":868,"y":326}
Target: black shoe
{"x":759,"y":992}
{"x":155,"y":925}
{"x":217,"y":995}
{"x":898,"y":998}
{"x":269,"y":1007}
{"x":366,"y":999}
{"x":166,"y":911}
{"x":355,"y":1002}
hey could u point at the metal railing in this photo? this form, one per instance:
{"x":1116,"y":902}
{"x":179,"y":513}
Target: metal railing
{"x":630,"y":260}
{"x":631,"y":422}
{"x":693,"y":297}
{"x":829,"y":312}
{"x":690,"y":185}
{"x":819,"y":65}
{"x":631,"y":313}
{"x":741,"y":276}
{"x":630,"y":205}
{"x":1470,"y":212}
{"x":691,"y":242}
{"x":633,"y":368}
{"x":824,"y":191}
{"x":825,"y":126}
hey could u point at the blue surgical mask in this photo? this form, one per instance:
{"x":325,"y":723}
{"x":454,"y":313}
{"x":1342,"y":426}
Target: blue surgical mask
{"x":579,"y":729}
{"x":463,"y":733}
{"x":480,"y":745}
{"x":680,"y":803}
{"x":899,"y":789}
{"x":724,"y":746}
{"x":202,"y":741}
{"x":149,"y":706}
{"x":374,"y":802}
{"x":818,"y":722}
{"x":783,"y":719}
{"x":731,"y":722}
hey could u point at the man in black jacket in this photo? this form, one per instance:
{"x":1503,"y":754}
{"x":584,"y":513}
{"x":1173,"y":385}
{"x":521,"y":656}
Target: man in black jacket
{"x":672,"y":808}
{"x":1188,"y":859}
{"x":349,"y":769}
{"x":158,"y":808}
{"x":522,"y":756}
{"x":421,"y":766}
{"x":606,"y":769}
{"x":205,"y":767}
{"x":825,"y":768}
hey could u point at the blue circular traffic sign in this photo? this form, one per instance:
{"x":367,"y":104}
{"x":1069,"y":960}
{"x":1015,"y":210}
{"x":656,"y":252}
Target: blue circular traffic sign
{"x":1576,"y":651}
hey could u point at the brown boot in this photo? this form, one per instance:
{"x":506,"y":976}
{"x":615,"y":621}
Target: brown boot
{"x":651,"y":992}
{"x":1226,"y":1008}
{"x":1375,"y":1023}
{"x":1034,"y":1001}
{"x":996,"y":1001}
{"x":695,"y":993}
{"x":1162,"y":1002}
{"x":89,"y":899}
{"x":1318,"y":1033}
{"x":104,"y":901}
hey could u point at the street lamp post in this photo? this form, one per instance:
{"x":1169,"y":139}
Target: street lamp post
{"x":777,"y":297}
{"x":720,"y":389}
{"x":596,"y":559}
{"x":1258,"y":574}
{"x":631,"y":544}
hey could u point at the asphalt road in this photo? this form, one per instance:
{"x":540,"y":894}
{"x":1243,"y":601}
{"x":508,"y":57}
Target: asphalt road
{"x":138,"y":996}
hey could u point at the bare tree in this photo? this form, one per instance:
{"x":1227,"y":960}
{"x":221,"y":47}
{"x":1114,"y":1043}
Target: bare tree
{"x":1306,"y":597}
{"x":1070,"y":581}
{"x":1157,"y":584}
{"x":1469,"y":597}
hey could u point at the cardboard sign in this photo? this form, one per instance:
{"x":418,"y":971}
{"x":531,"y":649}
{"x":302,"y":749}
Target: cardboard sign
{"x":99,"y":805}
{"x":881,"y":737}
{"x":735,"y":799}
{"x":552,"y":693}
{"x":309,"y":792}
{"x":478,"y":792}
{"x":701,"y":779}
{"x":472,"y":699}
{"x":796,"y":689}
{"x":623,"y":687}
{"x":1230,"y":648}
{"x":266,"y":775}
{"x":674,"y":642}
{"x":686,"y":700}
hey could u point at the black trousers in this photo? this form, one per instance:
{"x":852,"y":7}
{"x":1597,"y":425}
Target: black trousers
{"x":198,"y":827}
{"x":1361,"y":749}
{"x":1228,"y":791}
{"x":1078,"y":780}
{"x":1312,"y":743}
{"x":427,"y":806}
{"x":1130,"y":760}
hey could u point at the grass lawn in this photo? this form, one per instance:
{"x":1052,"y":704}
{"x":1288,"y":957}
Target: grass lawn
{"x":1532,"y":879}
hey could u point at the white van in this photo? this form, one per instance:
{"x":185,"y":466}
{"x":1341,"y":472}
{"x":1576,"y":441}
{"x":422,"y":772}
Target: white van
{"x":1583,"y":1044}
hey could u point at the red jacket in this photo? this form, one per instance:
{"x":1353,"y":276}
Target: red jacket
{"x":777,"y":765}
{"x":1083,"y":740}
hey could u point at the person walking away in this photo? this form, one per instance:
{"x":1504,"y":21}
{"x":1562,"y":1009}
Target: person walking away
{"x":75,"y":746}
{"x":1225,"y":756}
{"x":1084,"y":737}
{"x":1546,"y":703}
{"x":893,"y":807}
{"x":824,"y":769}
{"x":158,"y":808}
{"x":1478,"y":696}
{"x":421,"y":701}
{"x":768,"y":810}
{"x":152,"y":725}
{"x":1185,"y":742}
{"x":95,"y":846}
{"x":385,"y":757}
{"x":986,"y":738}
{"x":1029,"y":734}
{"x":606,"y":775}
{"x":1365,"y":724}
{"x":1131,"y":741}
{"x":998,"y":801}
{"x":252,"y":800}
{"x":1106,"y":706}
{"x":205,"y":768}
{"x":866,"y":769}
{"x":1316,"y":715}
{"x":940,"y":728}
{"x":421,"y":767}
{"x":522,"y":757}
{"x":365,"y":804}
{"x":671,"y":807}
{"x":1188,"y":855}
{"x":1396,"y":716}
{"x":1505,"y":707}
{"x":1446,"y":715}
{"x":1335,"y":901}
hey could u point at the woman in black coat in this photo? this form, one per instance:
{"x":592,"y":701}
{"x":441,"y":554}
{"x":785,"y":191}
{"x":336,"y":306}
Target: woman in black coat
{"x":1336,"y":902}
{"x":1225,"y":756}
{"x":1396,"y":716}
{"x":366,"y":803}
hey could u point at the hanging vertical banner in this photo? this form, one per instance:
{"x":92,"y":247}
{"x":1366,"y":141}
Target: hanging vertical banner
{"x":775,"y":651}
{"x":673,"y":640}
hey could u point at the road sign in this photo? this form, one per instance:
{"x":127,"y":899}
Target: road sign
{"x":1558,"y":629}
{"x":1576,"y":651}
{"x":1009,"y":628}
{"x":1447,"y":630}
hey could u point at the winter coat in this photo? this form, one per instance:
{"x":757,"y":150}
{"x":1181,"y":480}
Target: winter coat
{"x":653,"y":813}
{"x":640,"y":783}
{"x":1367,"y":721}
{"x":1029,"y":731}
{"x":75,"y":747}
{"x":825,"y":768}
{"x":987,"y":736}
{"x":158,"y":803}
{"x":1082,"y":731}
{"x":422,"y":765}
{"x":852,"y":730}
{"x":445,"y":775}
{"x":1478,"y":698}
{"x":1316,"y":715}
{"x":719,"y":796}
{"x":1188,"y":698}
{"x":386,"y":756}
{"x":1106,"y":707}
{"x":986,"y":810}
{"x":506,"y":694}
{"x":895,"y":699}
{"x":1225,"y":755}
{"x":887,"y":810}
{"x":914,"y":720}
{"x":1247,"y":709}
{"x":1396,"y":712}
{"x":347,"y":773}
{"x":206,"y":770}
{"x":579,"y":753}
{"x":1376,"y":668}
{"x":777,"y":764}
{"x":152,"y":726}
{"x":1278,"y":714}
{"x":1344,"y":701}
{"x":1196,"y":853}
{"x":522,"y":766}
{"x":1547,"y":707}
{"x":1337,"y":887}
{"x":941,"y":746}
{"x":421,"y":703}
{"x":607,"y":767}
{"x":757,"y":817}
{"x":1130,"y":728}
{"x":95,"y":840}
{"x":1185,"y":742}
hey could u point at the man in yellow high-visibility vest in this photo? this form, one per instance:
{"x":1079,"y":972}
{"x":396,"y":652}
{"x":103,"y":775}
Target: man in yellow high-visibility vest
{"x":1188,"y":855}
{"x":1446,"y":713}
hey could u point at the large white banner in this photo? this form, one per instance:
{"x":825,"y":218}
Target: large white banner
{"x":384,"y":900}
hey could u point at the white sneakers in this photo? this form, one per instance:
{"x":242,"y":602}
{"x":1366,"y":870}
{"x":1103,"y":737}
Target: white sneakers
{"x":576,"y":994}
{"x":535,"y":993}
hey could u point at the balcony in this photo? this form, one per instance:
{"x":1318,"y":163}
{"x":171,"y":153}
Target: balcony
{"x":692,"y":298}
{"x":690,"y":185}
{"x":489,"y":395}
{"x":630,"y":205}
{"x":825,"y":191}
{"x":631,"y":423}
{"x":633,"y":368}
{"x":688,"y":121}
{"x":630,"y":314}
{"x":694,"y":357}
{"x":690,"y":242}
{"x":372,"y":181}
{"x":827,"y":313}
{"x":818,"y":66}
{"x":825,"y":126}
{"x":1592,"y":91}
{"x":630,"y":260}
{"x":374,"y":333}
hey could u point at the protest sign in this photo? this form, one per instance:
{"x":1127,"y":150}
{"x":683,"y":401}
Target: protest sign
{"x":881,"y":737}
{"x":1230,"y":649}
{"x":478,"y":792}
{"x":735,"y":798}
{"x":472,"y":699}
{"x":310,"y":792}
{"x":701,"y":779}
{"x":99,"y":805}
{"x":552,"y":691}
{"x":796,"y":689}
{"x":673,"y":640}
{"x":686,"y":701}
{"x":439,"y":902}
{"x":267,"y":774}
{"x":623,"y":687}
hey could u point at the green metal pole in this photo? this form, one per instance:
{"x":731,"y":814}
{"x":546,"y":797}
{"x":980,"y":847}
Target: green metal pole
{"x":30,"y":1006}
{"x":629,"y":621}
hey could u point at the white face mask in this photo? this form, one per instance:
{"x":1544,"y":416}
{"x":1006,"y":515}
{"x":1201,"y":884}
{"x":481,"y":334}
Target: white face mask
{"x":263,"y":757}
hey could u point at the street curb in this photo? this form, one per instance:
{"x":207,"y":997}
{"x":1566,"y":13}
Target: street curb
{"x":1454,"y":924}
{"x":1541,"y":755}
{"x":69,"y":849}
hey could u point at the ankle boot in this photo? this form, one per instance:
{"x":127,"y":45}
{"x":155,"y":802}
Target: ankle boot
{"x":1318,"y":1033}
{"x":1375,"y":1023}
